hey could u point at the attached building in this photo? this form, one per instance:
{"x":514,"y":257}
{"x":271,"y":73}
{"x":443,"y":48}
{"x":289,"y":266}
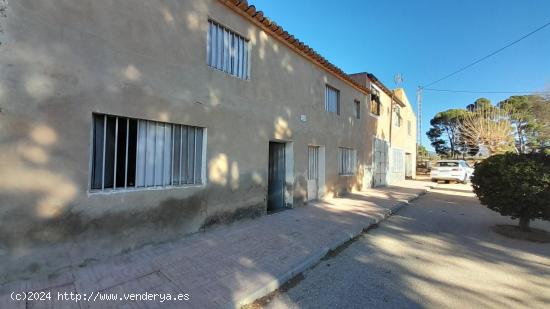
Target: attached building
{"x":124,"y":123}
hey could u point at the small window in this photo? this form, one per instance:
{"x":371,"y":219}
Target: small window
{"x":397,"y":116}
{"x":346,"y":161}
{"x":133,"y":153}
{"x":409,"y":127}
{"x":227,"y":51}
{"x":357,"y":109}
{"x":397,"y":165}
{"x":375,"y":104}
{"x":332,"y":100}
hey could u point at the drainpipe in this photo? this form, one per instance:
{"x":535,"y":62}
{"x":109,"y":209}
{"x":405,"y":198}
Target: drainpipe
{"x":391,"y":117}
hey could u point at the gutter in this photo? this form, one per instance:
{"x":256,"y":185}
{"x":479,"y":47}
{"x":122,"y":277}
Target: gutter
{"x":250,"y":13}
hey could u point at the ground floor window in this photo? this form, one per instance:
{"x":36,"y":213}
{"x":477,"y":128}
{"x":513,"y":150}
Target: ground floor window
{"x":398,"y":165}
{"x":134,"y":153}
{"x":346,"y":160}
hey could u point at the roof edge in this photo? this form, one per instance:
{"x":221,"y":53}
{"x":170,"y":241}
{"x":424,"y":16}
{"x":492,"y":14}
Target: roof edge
{"x":257,"y":17}
{"x":387,"y":90}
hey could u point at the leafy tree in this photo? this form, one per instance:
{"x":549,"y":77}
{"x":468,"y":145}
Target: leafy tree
{"x":445,"y":130}
{"x":541,"y":111}
{"x":522,"y":116}
{"x":422,"y":152}
{"x":481,"y":103}
{"x":440,"y":146}
{"x":515,"y":185}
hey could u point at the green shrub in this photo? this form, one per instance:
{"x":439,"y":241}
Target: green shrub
{"x":515,"y":185}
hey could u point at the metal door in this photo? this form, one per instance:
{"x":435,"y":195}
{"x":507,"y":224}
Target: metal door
{"x":276,"y":177}
{"x":313,"y":172}
{"x":380,"y":162}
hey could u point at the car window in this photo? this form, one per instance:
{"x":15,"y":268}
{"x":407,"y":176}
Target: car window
{"x":446,"y":164}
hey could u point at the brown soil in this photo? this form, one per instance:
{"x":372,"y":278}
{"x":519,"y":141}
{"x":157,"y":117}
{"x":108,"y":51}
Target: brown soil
{"x":264,"y":301}
{"x":513,"y":231}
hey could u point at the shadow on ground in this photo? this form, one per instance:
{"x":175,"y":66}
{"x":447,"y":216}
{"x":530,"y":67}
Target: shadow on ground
{"x":441,"y":252}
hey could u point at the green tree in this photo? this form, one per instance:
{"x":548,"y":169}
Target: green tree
{"x":515,"y":185}
{"x":444,"y":134}
{"x":522,"y":118}
{"x":422,"y":152}
{"x":541,"y":110}
{"x":481,"y":103}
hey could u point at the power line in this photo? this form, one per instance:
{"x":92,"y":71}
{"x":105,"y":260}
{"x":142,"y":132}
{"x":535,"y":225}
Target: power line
{"x":471,"y":91}
{"x":489,"y":55}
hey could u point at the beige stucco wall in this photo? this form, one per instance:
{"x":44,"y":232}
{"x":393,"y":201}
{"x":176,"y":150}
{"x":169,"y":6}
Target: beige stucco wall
{"x":61,"y":61}
{"x":382,"y":127}
{"x":402,"y":138}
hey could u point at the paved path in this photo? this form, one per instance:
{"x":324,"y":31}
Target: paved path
{"x":226,"y":266}
{"x":437,"y":253}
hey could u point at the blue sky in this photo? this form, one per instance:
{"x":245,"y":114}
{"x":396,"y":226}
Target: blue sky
{"x":425,"y":40}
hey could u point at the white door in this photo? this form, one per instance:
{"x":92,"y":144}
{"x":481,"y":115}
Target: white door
{"x":312,"y":172}
{"x":380,"y":162}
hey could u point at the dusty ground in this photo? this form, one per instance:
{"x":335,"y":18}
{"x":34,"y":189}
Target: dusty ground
{"x":439,"y":253}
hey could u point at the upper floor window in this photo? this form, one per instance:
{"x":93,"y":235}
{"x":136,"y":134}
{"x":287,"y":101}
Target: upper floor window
{"x":357,"y":109}
{"x":409,"y":127}
{"x":332,"y":100}
{"x":397,"y":116}
{"x":375,"y":104}
{"x":227,"y":51}
{"x":133,"y":153}
{"x":346,"y":161}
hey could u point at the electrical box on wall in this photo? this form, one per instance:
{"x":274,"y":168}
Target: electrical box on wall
{"x":303,"y":118}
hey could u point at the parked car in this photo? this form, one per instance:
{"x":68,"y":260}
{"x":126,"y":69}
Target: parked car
{"x":451,"y":170}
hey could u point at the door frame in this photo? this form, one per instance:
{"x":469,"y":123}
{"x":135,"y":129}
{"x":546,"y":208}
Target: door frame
{"x":387,"y":170}
{"x":320,"y":171}
{"x":289,"y":172}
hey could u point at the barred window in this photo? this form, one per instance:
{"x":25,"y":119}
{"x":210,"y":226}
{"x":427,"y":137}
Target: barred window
{"x":375,"y":104}
{"x":332,"y":100}
{"x":133,"y":153}
{"x":227,"y":51}
{"x":357,"y":109}
{"x":346,"y":161}
{"x":398,"y":158}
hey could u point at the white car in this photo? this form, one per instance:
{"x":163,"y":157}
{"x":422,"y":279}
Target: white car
{"x":451,"y":170}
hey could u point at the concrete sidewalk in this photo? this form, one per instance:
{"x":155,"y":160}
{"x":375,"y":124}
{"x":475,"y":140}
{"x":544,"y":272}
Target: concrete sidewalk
{"x":227,"y":266}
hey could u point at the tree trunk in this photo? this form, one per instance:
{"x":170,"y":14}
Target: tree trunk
{"x":524,"y":224}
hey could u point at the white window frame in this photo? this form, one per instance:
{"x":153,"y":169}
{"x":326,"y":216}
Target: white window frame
{"x":397,"y":160}
{"x":330,"y":94}
{"x":227,"y":51}
{"x":166,"y":140}
{"x":347,"y":161}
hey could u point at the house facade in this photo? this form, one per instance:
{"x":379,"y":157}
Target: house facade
{"x":124,"y":123}
{"x":391,"y":134}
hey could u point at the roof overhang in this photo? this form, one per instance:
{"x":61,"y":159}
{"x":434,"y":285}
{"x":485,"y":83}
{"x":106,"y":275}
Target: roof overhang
{"x":388,"y":91}
{"x":250,"y":13}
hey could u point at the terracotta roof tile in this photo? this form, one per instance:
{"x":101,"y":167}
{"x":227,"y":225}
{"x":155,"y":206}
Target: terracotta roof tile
{"x":250,"y":12}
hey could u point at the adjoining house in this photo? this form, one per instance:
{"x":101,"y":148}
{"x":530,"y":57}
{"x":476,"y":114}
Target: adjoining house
{"x":126,"y":123}
{"x":392,"y":128}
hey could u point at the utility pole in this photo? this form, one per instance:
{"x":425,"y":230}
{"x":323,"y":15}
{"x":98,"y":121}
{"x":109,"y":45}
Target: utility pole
{"x":418,"y":120}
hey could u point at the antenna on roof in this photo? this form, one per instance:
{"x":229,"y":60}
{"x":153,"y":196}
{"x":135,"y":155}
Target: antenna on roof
{"x":398,"y":79}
